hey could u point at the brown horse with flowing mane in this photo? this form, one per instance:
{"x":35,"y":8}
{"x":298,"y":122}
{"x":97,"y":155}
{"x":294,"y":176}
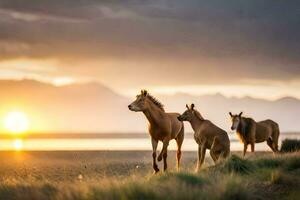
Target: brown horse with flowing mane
{"x":162,"y":126}
{"x":251,"y":132}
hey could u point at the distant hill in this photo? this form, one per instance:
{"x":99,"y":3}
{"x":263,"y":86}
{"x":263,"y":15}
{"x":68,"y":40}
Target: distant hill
{"x":92,"y":107}
{"x":285,"y":111}
{"x":73,"y":108}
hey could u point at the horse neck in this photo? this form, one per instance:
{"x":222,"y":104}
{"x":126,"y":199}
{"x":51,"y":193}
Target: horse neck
{"x":196,"y":123}
{"x":153,"y":114}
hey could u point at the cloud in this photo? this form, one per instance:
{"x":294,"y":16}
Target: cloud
{"x":181,"y":42}
{"x":19,"y":16}
{"x":35,"y":17}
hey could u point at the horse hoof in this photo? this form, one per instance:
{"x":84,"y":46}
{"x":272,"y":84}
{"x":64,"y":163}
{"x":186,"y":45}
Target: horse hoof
{"x":156,"y":171}
{"x":159,"y":158}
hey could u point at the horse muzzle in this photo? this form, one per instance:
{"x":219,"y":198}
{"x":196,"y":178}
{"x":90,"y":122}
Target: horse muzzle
{"x":130,"y":107}
{"x":134,"y":108}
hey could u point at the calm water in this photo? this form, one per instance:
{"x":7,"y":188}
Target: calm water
{"x":113,"y":143}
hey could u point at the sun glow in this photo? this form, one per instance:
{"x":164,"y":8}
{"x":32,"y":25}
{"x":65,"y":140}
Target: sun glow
{"x":16,"y":122}
{"x":63,"y":81}
{"x":18,"y":144}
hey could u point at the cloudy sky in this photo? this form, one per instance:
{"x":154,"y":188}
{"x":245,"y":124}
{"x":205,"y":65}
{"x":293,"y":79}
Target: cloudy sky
{"x":233,"y":47}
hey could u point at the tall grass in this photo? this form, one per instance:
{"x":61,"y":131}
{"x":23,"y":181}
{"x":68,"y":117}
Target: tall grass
{"x":26,"y":191}
{"x":269,"y":162}
{"x":290,"y":145}
{"x":236,"y":178}
{"x":235,"y":164}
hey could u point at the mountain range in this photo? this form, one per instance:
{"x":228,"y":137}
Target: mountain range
{"x":93,"y":107}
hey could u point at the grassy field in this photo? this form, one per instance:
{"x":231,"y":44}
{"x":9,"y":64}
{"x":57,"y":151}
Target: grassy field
{"x":128,"y":175}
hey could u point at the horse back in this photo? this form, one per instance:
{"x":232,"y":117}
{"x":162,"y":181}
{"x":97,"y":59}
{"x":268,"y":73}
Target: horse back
{"x":267,"y":124}
{"x":265,"y":129}
{"x":210,"y":131}
{"x":270,"y":124}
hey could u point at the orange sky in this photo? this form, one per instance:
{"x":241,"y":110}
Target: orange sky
{"x":48,"y":70}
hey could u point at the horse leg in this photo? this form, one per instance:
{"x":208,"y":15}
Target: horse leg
{"x":275,"y":146}
{"x":179,"y":141}
{"x":165,"y":155}
{"x":252,"y":147}
{"x":270,"y":144}
{"x":275,"y":138}
{"x":154,"y":148}
{"x":164,"y":149}
{"x":245,"y":149}
{"x":213,"y":151}
{"x":222,"y":155}
{"x":213,"y":156}
{"x":201,"y":156}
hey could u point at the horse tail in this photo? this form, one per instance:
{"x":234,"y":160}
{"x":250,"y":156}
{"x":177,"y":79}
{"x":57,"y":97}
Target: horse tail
{"x":226,"y":152}
{"x":226,"y":148}
{"x":275,"y":135}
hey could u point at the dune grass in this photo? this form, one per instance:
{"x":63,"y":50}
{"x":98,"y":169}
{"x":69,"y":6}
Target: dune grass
{"x":260,"y":177}
{"x":235,"y":164}
{"x":290,"y":145}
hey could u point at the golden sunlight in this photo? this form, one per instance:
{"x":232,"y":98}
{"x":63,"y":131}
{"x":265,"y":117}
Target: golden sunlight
{"x":60,"y":81}
{"x":18,"y":144}
{"x":16,"y":122}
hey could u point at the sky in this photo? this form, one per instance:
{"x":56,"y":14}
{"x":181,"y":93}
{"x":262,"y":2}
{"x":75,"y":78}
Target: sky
{"x":236,"y":48}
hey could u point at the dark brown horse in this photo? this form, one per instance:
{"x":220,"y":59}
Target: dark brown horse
{"x":251,"y":132}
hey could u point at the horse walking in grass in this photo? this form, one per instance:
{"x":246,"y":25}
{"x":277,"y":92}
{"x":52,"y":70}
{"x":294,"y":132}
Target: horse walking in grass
{"x":162,"y":126}
{"x":207,"y":136}
{"x":251,"y":132}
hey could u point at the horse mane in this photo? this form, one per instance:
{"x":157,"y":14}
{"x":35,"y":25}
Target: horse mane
{"x":243,"y":128}
{"x":156,"y":102}
{"x":198,"y":115}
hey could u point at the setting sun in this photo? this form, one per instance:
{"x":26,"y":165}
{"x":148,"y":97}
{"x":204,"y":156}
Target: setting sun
{"x":16,"y":122}
{"x":18,"y":144}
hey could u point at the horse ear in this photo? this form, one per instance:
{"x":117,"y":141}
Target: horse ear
{"x":230,"y":114}
{"x":240,"y":114}
{"x":144,"y":92}
{"x":192,"y":106}
{"x":187,"y":106}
